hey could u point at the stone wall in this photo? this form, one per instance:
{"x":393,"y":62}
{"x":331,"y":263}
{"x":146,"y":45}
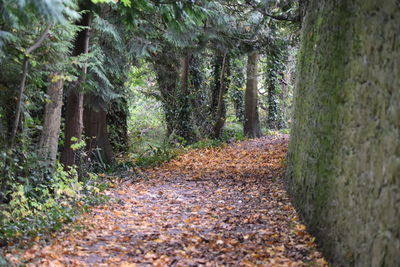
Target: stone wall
{"x":344,"y":155}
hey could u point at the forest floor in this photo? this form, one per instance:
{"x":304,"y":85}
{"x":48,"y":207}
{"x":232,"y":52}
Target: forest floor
{"x":209,"y":207}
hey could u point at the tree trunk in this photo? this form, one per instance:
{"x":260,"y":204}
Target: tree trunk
{"x":236,"y":88}
{"x":175,"y":98}
{"x":220,"y":109}
{"x":74,"y":107}
{"x":251,"y":120}
{"x":198,"y":95}
{"x":273,"y":82}
{"x":239,"y":105}
{"x":185,"y":73}
{"x":73,"y":126}
{"x":48,"y":144}
{"x":2,"y":132}
{"x":216,"y":86}
{"x":98,"y":145}
{"x":167,"y":72}
{"x":117,"y":120}
{"x":283,"y":96}
{"x":185,"y":124}
{"x":272,"y":99}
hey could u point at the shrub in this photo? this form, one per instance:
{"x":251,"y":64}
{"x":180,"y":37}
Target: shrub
{"x":33,"y":210}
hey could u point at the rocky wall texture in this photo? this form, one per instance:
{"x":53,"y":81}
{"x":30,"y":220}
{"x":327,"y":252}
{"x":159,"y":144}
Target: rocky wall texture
{"x":344,"y":155}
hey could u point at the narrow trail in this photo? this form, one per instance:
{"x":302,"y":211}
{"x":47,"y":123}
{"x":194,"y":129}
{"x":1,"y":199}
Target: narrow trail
{"x":210,"y":207}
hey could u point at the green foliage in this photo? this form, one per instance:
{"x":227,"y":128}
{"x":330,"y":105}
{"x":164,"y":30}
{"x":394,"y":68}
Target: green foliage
{"x":207,"y":143}
{"x":146,"y":124}
{"x":156,"y":155}
{"x":150,"y":145}
{"x":233,"y":132}
{"x":77,"y":144}
{"x":36,"y":210}
{"x":237,"y":87}
{"x":16,"y":15}
{"x":22,"y":162}
{"x":278,"y":65}
{"x":275,"y":132}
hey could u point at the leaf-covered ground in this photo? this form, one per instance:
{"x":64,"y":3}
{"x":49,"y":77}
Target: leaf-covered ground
{"x":210,"y":207}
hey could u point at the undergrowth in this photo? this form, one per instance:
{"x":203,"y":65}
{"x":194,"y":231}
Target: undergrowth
{"x":156,"y":155}
{"x":33,"y":211}
{"x":166,"y":150}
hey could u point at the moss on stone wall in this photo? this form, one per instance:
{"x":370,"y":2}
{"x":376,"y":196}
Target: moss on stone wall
{"x":344,"y":155}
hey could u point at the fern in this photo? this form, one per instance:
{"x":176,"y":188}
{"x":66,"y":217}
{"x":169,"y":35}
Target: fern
{"x":105,"y":27}
{"x":5,"y":37}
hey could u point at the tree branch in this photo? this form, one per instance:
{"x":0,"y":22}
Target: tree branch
{"x":284,"y":17}
{"x":39,"y":41}
{"x":25,"y":67}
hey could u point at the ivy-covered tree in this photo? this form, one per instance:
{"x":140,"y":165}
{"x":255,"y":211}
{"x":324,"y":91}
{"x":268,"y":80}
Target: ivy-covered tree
{"x":251,"y":126}
{"x":236,"y":92}
{"x":274,"y":70}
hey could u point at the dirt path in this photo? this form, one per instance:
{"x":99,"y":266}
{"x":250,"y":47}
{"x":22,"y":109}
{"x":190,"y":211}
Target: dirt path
{"x":210,"y":207}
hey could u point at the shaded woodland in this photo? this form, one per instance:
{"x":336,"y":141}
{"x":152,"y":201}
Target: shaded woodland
{"x":92,"y":92}
{"x":75,"y":74}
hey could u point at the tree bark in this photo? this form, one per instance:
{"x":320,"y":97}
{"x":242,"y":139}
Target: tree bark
{"x":185,"y":127}
{"x":216,"y":86}
{"x":166,"y":67}
{"x":48,"y":144}
{"x":74,"y":107}
{"x":251,"y":120}
{"x":98,"y":145}
{"x":220,"y":109}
